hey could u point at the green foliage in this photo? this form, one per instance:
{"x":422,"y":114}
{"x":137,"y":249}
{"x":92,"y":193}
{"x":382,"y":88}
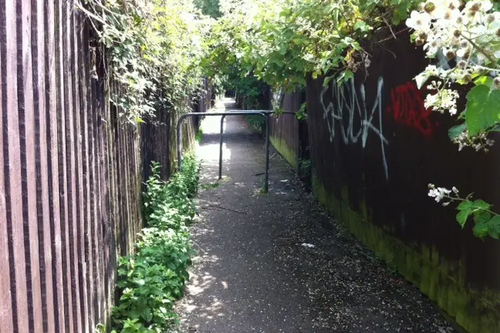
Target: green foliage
{"x":302,"y":113}
{"x":482,"y":109}
{"x":208,"y":7}
{"x":153,"y":51}
{"x":100,"y":328}
{"x":199,"y":135}
{"x":305,"y":168}
{"x":305,"y":165}
{"x":256,"y":122}
{"x":154,"y":277}
{"x":486,"y":222}
{"x":282,"y":42}
{"x":210,"y":186}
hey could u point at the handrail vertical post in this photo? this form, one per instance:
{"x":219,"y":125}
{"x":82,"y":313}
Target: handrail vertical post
{"x":263,"y":113}
{"x":220,"y":145}
{"x":179,"y":142}
{"x":266,"y":181}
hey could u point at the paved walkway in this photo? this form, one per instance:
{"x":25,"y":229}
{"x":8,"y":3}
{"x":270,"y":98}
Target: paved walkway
{"x":277,"y":263}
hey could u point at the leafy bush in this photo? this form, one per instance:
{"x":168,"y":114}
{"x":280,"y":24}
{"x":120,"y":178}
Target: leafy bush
{"x":154,"y":277}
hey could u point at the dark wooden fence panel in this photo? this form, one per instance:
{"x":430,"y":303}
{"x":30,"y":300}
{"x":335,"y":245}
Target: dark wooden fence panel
{"x":285,"y":132}
{"x":374,"y":148}
{"x":70,"y":175}
{"x":159,"y":135}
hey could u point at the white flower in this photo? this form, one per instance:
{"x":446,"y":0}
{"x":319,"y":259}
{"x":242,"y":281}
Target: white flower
{"x":438,"y":193}
{"x":461,"y":139}
{"x":477,"y":30}
{"x":493,"y":21}
{"x":453,"y":4}
{"x":419,"y":21}
{"x":451,"y":15}
{"x":431,"y":101}
{"x":471,"y":36}
{"x":436,"y":9}
{"x":421,"y":78}
{"x":443,"y":100}
{"x":461,"y":52}
{"x":453,"y":110}
{"x":432,"y":46}
{"x":478,"y":6}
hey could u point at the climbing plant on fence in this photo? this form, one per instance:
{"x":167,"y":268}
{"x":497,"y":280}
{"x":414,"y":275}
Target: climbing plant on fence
{"x":466,"y":37}
{"x":153,"y":49}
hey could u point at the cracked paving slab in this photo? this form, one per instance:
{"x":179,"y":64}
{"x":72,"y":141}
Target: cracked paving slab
{"x":277,"y":262}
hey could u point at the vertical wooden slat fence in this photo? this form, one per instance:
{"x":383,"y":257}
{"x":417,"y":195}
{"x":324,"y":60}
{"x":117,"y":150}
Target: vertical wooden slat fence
{"x":70,"y":172}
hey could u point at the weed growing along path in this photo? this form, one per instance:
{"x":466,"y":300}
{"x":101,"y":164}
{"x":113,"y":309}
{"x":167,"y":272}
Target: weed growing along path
{"x":277,"y":263}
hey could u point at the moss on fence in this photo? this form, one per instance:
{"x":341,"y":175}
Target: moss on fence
{"x":437,"y":277}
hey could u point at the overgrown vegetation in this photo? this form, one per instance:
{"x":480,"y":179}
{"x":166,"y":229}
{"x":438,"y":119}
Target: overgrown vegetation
{"x":154,"y":277}
{"x":283,"y":42}
{"x":152,"y":50}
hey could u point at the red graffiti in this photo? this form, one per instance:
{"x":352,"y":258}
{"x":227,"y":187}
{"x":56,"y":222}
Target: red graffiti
{"x":408,"y":108}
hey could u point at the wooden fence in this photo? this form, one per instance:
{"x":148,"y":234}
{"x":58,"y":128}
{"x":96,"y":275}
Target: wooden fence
{"x":374,"y":148}
{"x":70,"y":175}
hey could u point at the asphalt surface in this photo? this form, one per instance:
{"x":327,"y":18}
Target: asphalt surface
{"x":277,"y":262}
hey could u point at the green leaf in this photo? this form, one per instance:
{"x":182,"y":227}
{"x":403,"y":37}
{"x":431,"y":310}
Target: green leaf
{"x":481,"y":230}
{"x":147,"y":314}
{"x":465,"y":205}
{"x":484,"y":80}
{"x":361,"y":26}
{"x":467,"y":208}
{"x":489,"y":228}
{"x":481,"y":217}
{"x":348,"y":75}
{"x":480,"y":205}
{"x":494,"y":227}
{"x":462,"y":217}
{"x":455,"y":131}
{"x":482,"y":109}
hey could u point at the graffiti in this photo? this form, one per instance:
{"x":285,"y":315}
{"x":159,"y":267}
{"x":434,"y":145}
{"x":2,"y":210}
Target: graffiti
{"x":344,"y":109}
{"x":407,"y":107}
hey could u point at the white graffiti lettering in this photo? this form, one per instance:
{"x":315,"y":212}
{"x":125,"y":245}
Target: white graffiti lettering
{"x":345,"y":104}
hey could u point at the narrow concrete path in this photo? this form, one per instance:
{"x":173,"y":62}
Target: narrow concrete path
{"x":276,"y":262}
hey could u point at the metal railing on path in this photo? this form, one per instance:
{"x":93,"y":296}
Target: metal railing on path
{"x":264,"y":113}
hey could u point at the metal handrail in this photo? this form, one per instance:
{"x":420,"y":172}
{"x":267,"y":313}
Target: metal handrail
{"x":263,"y":113}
